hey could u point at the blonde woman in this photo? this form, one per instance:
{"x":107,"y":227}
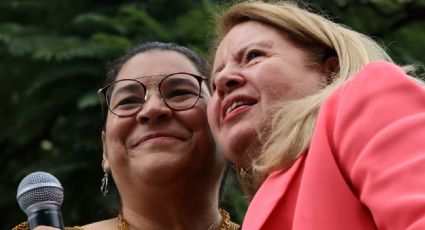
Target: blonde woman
{"x":319,"y":118}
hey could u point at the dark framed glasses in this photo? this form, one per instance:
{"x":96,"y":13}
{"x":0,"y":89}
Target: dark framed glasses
{"x":126,"y":97}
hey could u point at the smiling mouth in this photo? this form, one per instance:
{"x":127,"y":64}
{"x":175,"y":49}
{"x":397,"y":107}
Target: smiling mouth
{"x":155,"y":137}
{"x":236,"y":107}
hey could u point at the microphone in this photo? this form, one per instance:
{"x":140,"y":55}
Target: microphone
{"x":40,"y":196}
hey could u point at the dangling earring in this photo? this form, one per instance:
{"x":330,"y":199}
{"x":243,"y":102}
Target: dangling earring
{"x":242,"y":172}
{"x":104,"y":184}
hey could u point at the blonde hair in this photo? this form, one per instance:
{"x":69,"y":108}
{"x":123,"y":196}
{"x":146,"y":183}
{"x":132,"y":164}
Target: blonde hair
{"x":294,"y":121}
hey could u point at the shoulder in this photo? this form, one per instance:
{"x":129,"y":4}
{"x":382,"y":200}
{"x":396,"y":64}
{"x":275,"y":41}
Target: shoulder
{"x":380,"y":105}
{"x":379,"y":70}
{"x":379,"y":75}
{"x":376,"y":89}
{"x":373,"y":126}
{"x":110,"y":224}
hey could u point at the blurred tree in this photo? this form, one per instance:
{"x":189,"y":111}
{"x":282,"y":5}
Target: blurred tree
{"x":52,"y":60}
{"x":398,"y":25}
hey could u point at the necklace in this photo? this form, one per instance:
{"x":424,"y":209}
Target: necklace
{"x":225,"y":221}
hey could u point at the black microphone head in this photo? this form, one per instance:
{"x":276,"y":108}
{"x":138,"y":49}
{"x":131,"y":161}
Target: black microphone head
{"x":39,"y":187}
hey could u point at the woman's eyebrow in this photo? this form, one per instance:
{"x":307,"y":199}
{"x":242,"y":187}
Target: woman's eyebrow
{"x":241,"y":51}
{"x":127,"y":88}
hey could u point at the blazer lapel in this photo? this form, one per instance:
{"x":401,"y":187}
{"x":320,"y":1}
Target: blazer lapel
{"x":273,"y":189}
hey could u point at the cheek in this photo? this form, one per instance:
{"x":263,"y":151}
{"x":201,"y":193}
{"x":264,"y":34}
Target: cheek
{"x":272,"y":90}
{"x":287,"y":85}
{"x":116,"y":132}
{"x":196,"y":121}
{"x":271,"y":82}
{"x":196,"y":118}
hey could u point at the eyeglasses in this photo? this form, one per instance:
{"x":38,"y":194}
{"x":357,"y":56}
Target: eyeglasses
{"x":126,"y":97}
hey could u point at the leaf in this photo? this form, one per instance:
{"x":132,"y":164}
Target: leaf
{"x":150,"y":24}
{"x":88,"y":100}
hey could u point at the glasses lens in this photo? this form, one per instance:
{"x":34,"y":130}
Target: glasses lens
{"x":180,"y":91}
{"x":125,"y":97}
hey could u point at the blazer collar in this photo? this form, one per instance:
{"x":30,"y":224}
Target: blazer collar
{"x":273,"y":189}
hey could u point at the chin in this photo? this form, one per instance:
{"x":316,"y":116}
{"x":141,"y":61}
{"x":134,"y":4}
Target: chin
{"x":242,"y":150}
{"x":159,"y":176}
{"x":158,"y":170}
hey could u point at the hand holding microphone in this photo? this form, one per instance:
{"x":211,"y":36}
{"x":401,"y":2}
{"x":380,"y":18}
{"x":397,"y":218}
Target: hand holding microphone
{"x":40,"y":196}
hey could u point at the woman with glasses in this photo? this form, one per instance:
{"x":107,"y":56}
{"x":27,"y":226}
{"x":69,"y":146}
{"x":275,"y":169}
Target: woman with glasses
{"x":157,"y":144}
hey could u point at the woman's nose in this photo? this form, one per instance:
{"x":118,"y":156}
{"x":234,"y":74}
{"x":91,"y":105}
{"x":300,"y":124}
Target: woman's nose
{"x":227,"y":82}
{"x":154,"y":110}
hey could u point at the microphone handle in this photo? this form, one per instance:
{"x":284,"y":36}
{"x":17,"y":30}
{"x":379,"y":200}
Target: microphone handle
{"x":50,"y":216}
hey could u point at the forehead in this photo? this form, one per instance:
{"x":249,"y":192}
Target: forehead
{"x":245,"y":34}
{"x":157,"y":62}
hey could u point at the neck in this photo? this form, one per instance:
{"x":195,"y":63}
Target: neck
{"x":189,"y":205}
{"x":207,"y":219}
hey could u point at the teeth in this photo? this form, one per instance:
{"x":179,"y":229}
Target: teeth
{"x":234,"y":105}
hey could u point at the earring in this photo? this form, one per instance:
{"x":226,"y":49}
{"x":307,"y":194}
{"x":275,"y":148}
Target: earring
{"x":104,"y":184}
{"x":242,"y":172}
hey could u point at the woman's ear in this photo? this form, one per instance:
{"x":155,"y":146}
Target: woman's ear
{"x":105,"y":161}
{"x":330,"y":67}
{"x":331,"y":64}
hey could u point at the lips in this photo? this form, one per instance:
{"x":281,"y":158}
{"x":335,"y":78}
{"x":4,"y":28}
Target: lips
{"x":236,"y":103}
{"x":154,"y":136}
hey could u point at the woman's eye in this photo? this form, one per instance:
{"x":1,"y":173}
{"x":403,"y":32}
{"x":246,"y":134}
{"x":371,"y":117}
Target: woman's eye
{"x":180,"y":92}
{"x":253,"y":54}
{"x":129,"y":101}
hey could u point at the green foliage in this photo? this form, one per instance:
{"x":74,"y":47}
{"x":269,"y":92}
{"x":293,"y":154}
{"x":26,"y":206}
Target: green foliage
{"x":52,"y":60}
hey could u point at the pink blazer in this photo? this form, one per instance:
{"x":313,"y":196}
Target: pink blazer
{"x":365,"y":167}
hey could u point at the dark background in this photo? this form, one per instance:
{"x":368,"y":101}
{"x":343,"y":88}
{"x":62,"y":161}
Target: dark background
{"x":53,"y":55}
